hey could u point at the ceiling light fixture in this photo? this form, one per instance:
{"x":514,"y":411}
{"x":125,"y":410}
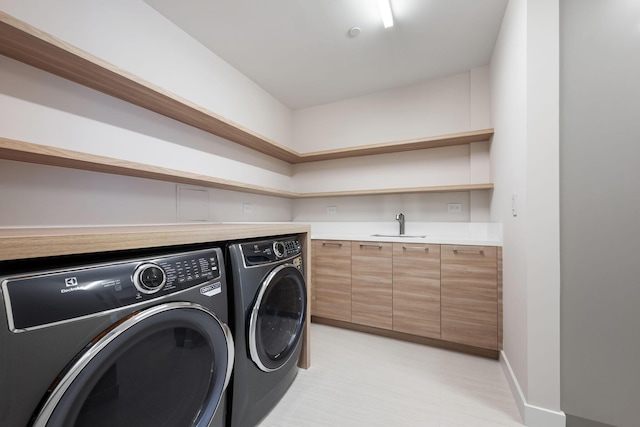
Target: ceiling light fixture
{"x":385,"y":11}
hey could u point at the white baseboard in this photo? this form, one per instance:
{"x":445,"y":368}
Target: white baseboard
{"x":533,"y":416}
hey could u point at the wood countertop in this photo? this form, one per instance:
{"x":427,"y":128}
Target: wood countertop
{"x":21,"y":243}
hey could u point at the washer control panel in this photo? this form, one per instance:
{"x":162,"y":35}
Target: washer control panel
{"x":270,"y":251}
{"x":44,"y":298}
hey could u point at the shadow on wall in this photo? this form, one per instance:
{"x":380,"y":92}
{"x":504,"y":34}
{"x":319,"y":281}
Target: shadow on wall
{"x":573,"y":421}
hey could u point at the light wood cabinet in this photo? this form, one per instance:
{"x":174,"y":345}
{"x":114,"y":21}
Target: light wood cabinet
{"x":469,"y":295}
{"x":371,"y":284}
{"x":444,"y":295}
{"x":331,"y":279}
{"x":416,"y":289}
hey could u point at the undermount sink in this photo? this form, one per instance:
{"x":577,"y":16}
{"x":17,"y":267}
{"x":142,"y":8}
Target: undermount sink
{"x":416,"y":236}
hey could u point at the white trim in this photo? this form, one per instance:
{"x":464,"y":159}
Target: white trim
{"x":516,"y":391}
{"x":533,"y":416}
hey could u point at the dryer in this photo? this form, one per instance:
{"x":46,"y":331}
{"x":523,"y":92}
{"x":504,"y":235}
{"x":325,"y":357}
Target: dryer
{"x":131,"y":342}
{"x":269,"y":304}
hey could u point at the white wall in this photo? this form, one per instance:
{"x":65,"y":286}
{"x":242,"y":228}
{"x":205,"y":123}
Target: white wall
{"x":416,"y":208}
{"x":36,"y":195}
{"x":600,"y":190}
{"x":508,"y":171}
{"x":524,"y":162}
{"x":44,"y":109}
{"x":449,"y":104}
{"x":543,"y":202}
{"x":436,"y":166}
{"x":434,"y":107}
{"x":48,"y":110}
{"x":135,"y":37}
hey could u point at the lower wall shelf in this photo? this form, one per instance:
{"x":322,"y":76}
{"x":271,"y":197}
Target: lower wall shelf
{"x":27,"y":152}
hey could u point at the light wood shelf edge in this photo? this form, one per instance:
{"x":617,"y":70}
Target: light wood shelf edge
{"x":52,"y":156}
{"x":406,"y":190}
{"x":461,"y":138}
{"x":27,"y":44}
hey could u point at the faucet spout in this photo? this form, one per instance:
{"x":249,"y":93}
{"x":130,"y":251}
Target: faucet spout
{"x":400,"y":219}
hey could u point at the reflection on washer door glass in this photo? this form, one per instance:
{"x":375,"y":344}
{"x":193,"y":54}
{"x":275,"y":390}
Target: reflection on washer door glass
{"x":280,"y":318}
{"x":159,"y":381}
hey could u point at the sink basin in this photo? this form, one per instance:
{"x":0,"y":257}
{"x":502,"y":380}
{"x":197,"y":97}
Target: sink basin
{"x":416,"y":236}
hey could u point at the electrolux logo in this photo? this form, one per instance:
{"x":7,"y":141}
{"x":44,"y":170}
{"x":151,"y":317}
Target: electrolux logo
{"x":71,"y":281}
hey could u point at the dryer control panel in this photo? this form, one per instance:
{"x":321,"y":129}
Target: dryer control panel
{"x":270,"y":251}
{"x":44,"y":298}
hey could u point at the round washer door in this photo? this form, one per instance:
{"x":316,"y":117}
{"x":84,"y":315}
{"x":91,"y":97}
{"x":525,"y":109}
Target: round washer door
{"x":164,"y":366}
{"x":277,"y":318}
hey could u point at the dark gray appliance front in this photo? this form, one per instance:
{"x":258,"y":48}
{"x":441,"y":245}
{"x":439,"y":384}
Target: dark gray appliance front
{"x":135,"y":342}
{"x":269,"y":309}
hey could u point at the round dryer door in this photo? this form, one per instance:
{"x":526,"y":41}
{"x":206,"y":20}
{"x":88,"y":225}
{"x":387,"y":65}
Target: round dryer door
{"x":277,"y":318}
{"x":168,"y":365}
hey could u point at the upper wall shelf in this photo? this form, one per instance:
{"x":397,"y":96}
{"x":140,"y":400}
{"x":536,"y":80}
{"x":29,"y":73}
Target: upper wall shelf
{"x":41,"y":154}
{"x":27,"y":44}
{"x":460,"y":138}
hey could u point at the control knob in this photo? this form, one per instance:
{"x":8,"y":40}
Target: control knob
{"x":149,"y":278}
{"x":279,"y":249}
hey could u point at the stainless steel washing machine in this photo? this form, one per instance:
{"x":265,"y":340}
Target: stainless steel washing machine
{"x":130,"y":342}
{"x":269,"y":295}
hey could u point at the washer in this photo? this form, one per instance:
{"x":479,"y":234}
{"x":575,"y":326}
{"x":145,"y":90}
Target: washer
{"x":269,"y":308}
{"x":128,"y":342}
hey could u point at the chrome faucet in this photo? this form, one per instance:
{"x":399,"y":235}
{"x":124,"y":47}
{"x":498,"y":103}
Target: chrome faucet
{"x":400,"y":219}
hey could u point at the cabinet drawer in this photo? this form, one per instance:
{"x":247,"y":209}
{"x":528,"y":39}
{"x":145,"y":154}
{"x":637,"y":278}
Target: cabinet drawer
{"x":469,"y":295}
{"x":371,"y":288}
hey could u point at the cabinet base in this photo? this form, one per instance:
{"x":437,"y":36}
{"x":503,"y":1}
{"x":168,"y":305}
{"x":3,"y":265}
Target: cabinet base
{"x":476,"y":351}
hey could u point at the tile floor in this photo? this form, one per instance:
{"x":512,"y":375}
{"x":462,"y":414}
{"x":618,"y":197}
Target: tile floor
{"x":358,"y":379}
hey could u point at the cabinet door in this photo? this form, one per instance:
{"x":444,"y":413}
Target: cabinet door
{"x":469,"y":295}
{"x":371,"y":289}
{"x":332,"y":279}
{"x":416,"y":289}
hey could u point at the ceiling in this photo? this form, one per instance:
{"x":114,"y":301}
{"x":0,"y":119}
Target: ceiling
{"x":300,"y":51}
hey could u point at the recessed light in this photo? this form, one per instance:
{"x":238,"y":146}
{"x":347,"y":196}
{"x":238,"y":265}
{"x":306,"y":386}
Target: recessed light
{"x":354,"y":31}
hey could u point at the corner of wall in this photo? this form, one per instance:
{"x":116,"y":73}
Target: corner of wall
{"x":532,"y":416}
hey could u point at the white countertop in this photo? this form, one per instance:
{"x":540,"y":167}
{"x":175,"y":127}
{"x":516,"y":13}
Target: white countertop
{"x":455,"y":233}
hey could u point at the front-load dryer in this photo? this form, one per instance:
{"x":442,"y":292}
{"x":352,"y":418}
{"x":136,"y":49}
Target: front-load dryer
{"x":269,"y":296}
{"x":129,"y":342}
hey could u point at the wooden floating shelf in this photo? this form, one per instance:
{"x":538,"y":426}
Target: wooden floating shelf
{"x":51,"y":156}
{"x":27,"y":44}
{"x":406,"y":190}
{"x":461,"y":138}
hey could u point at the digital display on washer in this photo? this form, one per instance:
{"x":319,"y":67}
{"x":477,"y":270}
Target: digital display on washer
{"x":50,"y":297}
